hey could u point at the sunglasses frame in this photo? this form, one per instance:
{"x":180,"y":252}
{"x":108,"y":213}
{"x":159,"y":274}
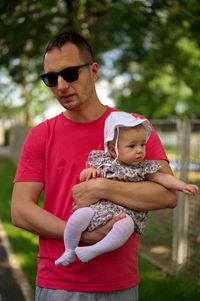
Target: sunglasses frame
{"x":57,"y":74}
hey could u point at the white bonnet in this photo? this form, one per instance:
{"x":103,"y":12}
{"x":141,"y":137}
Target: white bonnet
{"x":122,"y":119}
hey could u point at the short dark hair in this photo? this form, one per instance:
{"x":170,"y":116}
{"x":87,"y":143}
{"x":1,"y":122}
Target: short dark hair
{"x":71,"y":37}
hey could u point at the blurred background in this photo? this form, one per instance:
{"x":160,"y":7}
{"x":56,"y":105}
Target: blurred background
{"x":149,"y":57}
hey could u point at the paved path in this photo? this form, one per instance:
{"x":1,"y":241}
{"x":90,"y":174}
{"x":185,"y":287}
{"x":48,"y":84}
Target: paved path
{"x":9,"y":288}
{"x":4,"y":151}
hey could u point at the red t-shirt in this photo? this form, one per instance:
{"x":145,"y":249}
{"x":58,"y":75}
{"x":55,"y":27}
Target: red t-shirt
{"x":54,"y":153}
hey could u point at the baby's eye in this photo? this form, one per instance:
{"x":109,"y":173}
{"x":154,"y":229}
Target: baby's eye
{"x":132,"y":145}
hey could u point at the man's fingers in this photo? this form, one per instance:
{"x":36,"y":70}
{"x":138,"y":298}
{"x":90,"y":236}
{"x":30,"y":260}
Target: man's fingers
{"x":115,"y":219}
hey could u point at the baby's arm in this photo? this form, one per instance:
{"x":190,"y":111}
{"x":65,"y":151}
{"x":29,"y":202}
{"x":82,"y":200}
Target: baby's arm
{"x":89,"y":173}
{"x":172,"y":182}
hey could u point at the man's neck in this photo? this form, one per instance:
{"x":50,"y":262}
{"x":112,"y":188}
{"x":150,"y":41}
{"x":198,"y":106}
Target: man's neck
{"x":87,"y":114}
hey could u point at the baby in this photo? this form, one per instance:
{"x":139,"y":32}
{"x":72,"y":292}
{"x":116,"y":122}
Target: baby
{"x":125,"y":138}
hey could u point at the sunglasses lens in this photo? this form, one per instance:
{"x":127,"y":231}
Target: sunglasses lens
{"x":50,"y":80}
{"x":70,"y":74}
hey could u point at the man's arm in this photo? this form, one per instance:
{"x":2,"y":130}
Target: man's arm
{"x":139,"y":196}
{"x":26,"y":213}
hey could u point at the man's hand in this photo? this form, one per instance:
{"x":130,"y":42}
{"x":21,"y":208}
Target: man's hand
{"x":98,"y":234}
{"x":85,"y":193}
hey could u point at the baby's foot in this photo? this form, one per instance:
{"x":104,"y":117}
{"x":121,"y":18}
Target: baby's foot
{"x":85,"y":253}
{"x":67,"y":257}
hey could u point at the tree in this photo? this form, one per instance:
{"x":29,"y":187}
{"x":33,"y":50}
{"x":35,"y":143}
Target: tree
{"x":153,"y":45}
{"x":158,"y":51}
{"x":35,"y":22}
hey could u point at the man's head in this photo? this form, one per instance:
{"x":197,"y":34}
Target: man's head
{"x":74,"y":38}
{"x":70,"y":72}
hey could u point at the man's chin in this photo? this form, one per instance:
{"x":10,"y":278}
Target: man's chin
{"x":71,"y":106}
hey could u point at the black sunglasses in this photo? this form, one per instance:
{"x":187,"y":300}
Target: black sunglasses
{"x":70,"y":74}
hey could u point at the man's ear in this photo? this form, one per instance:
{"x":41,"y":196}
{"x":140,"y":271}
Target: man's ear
{"x":111,"y":149}
{"x":95,"y":71}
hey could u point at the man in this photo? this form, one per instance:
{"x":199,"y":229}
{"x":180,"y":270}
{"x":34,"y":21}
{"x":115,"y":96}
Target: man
{"x":52,"y":158}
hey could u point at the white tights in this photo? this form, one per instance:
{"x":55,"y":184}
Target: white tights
{"x":77,"y":223}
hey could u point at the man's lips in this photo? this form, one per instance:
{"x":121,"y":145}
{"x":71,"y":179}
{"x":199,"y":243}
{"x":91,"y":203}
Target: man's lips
{"x":66,"y":98}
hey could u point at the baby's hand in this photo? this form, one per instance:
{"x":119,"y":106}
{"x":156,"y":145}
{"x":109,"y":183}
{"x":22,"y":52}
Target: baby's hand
{"x":89,"y":173}
{"x":191,"y":189}
{"x":92,"y":173}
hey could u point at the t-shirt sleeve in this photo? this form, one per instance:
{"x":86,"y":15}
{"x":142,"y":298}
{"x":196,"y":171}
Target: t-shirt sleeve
{"x":31,"y":166}
{"x":154,"y":148}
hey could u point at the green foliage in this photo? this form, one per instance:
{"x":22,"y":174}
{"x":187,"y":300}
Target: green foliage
{"x":160,"y":53}
{"x":154,"y":45}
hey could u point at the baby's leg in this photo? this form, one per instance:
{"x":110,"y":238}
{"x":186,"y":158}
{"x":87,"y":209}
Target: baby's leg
{"x":76,"y":224}
{"x":117,"y":236}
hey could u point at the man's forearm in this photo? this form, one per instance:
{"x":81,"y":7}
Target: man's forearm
{"x":39,"y":221}
{"x":26,"y":213}
{"x":139,"y":196}
{"x":145,"y":195}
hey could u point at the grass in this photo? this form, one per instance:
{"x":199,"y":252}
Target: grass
{"x":155,"y":284}
{"x":24,"y":244}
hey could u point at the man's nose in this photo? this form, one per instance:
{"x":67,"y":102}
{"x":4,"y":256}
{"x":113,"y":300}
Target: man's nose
{"x":62,"y":84}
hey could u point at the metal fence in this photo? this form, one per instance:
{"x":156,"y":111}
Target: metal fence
{"x":171,"y":239}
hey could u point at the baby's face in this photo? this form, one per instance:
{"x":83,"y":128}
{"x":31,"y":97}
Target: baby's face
{"x":131,"y":145}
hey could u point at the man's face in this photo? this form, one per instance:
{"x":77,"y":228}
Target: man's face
{"x":71,"y":95}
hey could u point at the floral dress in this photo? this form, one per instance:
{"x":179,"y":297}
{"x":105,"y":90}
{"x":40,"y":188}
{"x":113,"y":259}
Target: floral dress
{"x":105,"y":210}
